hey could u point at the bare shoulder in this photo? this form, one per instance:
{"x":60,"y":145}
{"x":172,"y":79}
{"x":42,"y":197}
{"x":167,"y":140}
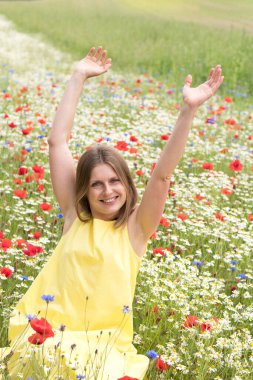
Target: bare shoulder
{"x":136,"y":235}
{"x":68,"y":220}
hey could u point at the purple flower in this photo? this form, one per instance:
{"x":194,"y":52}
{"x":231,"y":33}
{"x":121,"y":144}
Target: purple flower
{"x":151,"y":354}
{"x":242,"y":276}
{"x":198,"y":263}
{"x":47,"y":298}
{"x":126,"y":309}
{"x":30,"y":317}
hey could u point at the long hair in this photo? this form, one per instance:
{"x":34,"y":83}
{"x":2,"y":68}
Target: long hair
{"x":97,"y":155}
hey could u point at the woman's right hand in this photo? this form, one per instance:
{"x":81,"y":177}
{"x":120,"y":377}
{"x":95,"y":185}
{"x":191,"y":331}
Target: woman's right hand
{"x":94,"y":64}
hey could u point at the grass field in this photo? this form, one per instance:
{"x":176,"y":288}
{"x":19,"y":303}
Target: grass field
{"x":156,"y":37}
{"x":193,"y":306}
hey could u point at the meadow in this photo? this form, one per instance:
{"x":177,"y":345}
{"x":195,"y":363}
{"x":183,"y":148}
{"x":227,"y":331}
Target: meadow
{"x":159,"y":38}
{"x":193,"y":308}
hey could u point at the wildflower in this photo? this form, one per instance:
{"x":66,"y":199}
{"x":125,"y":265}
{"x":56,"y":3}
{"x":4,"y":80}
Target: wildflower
{"x":182,"y":216}
{"x":207,"y":166}
{"x":22,"y":170}
{"x":45,"y":206}
{"x":164,"y":222}
{"x":47,"y":297}
{"x":191,"y":321}
{"x":164,"y":137}
{"x":30,"y":317}
{"x":43,"y":331}
{"x":152,"y":354}
{"x":36,"y":235}
{"x":236,"y":165}
{"x":242,"y":276}
{"x":128,"y":378}
{"x":20,"y":193}
{"x":226,"y":191}
{"x":80,"y":377}
{"x":126,"y":309}
{"x":198,"y":263}
{"x":7,"y":272}
{"x":162,"y":365}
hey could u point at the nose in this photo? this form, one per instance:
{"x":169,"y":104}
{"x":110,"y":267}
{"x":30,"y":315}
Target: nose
{"x":107,"y":188}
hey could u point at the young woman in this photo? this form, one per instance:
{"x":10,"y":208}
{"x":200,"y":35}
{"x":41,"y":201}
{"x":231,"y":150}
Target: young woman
{"x":92,"y":272}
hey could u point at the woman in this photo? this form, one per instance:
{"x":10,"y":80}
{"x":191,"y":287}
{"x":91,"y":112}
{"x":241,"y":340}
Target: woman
{"x":92,"y":272}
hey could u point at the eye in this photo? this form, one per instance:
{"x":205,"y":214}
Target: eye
{"x":113,"y":180}
{"x":96,"y":184}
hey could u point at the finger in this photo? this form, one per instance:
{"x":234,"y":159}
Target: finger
{"x":103,"y":58}
{"x":217,"y":73}
{"x":90,"y":54}
{"x":217,"y":84}
{"x":98,"y":52}
{"x":211,"y":73}
{"x":188,"y":80}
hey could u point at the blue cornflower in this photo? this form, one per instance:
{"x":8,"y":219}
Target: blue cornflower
{"x":242,"y":276}
{"x":80,"y":377}
{"x":59,"y":215}
{"x":29,"y":378}
{"x":47,"y":298}
{"x":234,"y":262}
{"x":30,"y":317}
{"x":24,"y":278}
{"x":126,"y":309}
{"x":152,"y":354}
{"x":198,"y":263}
{"x":233,"y":269}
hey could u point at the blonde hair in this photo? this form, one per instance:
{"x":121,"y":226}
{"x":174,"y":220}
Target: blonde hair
{"x":97,"y":155}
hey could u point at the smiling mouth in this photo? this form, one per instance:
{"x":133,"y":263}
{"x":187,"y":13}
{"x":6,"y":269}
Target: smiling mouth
{"x":109,"y":200}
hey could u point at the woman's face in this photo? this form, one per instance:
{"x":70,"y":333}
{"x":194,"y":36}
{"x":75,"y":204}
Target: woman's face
{"x":106,"y":193}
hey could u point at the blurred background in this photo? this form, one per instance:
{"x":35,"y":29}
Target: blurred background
{"x":161,"y":38}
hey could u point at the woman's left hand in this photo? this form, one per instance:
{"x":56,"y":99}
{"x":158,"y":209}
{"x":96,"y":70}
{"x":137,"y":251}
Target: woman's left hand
{"x":194,"y":97}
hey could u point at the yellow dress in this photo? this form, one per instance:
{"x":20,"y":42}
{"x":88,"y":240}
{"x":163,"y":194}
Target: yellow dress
{"x":92,"y":275}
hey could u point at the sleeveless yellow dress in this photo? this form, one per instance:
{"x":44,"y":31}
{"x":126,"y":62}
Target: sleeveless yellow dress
{"x":92,"y":275}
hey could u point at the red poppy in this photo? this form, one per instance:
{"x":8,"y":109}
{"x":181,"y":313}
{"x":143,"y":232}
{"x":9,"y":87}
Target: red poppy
{"x":17,"y":181}
{"x":32,"y":250}
{"x":199,"y":197}
{"x":22,"y":170}
{"x":226,"y":191}
{"x":7,"y":272}
{"x":159,"y":250}
{"x":133,"y":138}
{"x":182,"y":216}
{"x":164,"y":222}
{"x":128,"y":378}
{"x":5,"y":244}
{"x":207,"y":166}
{"x":220,"y":217}
{"x":191,"y":321}
{"x":228,"y":99}
{"x":40,"y":187}
{"x":139,"y":172}
{"x":164,"y":137}
{"x":20,"y":193}
{"x":250,"y":217}
{"x":20,"y":243}
{"x":36,"y":235}
{"x":208,"y":326}
{"x":230,"y":121}
{"x":38,"y":169}
{"x":121,"y":145}
{"x":133,"y":150}
{"x":43,"y":331}
{"x":162,"y":365}
{"x":45,"y":206}
{"x":12,"y":125}
{"x":236,"y":165}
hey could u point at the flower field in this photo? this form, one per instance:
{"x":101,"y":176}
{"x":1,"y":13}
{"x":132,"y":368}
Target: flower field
{"x":193,"y":310}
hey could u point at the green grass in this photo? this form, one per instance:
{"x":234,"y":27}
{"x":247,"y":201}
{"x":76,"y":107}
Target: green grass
{"x":149,"y":37}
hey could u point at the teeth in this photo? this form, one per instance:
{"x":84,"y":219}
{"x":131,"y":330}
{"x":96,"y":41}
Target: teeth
{"x":109,"y":200}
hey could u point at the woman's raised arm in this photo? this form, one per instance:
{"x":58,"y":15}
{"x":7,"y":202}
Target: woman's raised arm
{"x":149,"y":212}
{"x":62,"y":167}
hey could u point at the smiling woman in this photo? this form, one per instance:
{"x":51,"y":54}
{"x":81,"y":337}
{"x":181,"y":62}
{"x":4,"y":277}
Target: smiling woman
{"x":91,"y":276}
